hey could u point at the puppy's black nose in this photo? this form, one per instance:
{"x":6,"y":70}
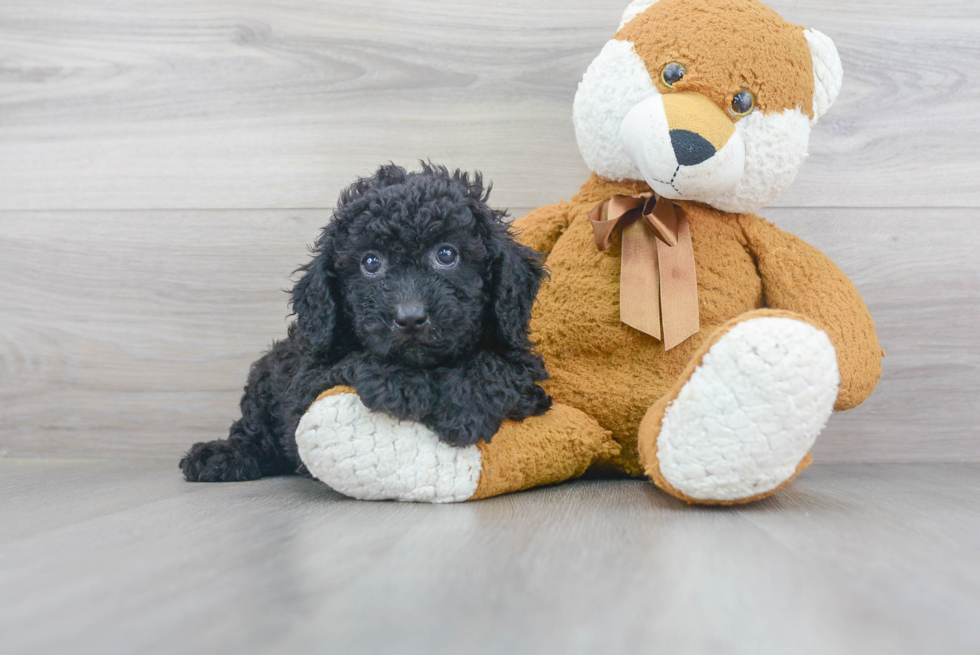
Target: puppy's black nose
{"x":410,"y":317}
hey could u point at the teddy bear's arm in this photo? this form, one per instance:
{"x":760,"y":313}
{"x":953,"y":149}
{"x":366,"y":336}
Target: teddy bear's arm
{"x":800,"y":278}
{"x":541,"y":228}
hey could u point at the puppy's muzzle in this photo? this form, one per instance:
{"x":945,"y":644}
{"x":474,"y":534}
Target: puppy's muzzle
{"x":410,"y":317}
{"x":684,"y":145}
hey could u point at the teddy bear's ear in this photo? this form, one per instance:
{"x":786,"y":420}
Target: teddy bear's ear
{"x":635,"y":8}
{"x":828,"y":74}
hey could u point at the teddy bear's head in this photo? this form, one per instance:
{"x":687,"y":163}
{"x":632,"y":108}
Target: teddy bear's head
{"x":706,"y":100}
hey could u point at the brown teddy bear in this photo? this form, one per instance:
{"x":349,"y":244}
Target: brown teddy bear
{"x":687,"y":339}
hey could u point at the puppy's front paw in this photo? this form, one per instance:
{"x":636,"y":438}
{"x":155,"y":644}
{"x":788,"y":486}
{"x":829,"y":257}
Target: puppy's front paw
{"x":400,"y":393}
{"x":461,"y":427}
{"x":542,"y":401}
{"x":535,"y":402}
{"x":218,"y":461}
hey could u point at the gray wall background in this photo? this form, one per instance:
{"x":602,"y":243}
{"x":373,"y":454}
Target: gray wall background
{"x":163,"y":166}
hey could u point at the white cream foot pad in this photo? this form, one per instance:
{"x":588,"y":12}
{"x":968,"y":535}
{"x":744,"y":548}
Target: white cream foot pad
{"x":372,"y":456}
{"x":750,"y":412}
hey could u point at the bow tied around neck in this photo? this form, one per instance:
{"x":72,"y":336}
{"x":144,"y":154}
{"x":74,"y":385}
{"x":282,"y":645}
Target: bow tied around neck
{"x":658,"y":288}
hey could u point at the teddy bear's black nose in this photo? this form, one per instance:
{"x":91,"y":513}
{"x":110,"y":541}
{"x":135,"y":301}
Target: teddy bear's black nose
{"x":691,"y":149}
{"x":410,"y":317}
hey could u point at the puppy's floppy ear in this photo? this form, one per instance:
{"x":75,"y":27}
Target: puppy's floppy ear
{"x":314,"y":300}
{"x":517,"y":274}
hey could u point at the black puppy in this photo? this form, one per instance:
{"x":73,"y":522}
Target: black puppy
{"x":418,"y":297}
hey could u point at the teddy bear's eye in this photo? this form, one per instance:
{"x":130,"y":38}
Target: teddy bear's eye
{"x":743,"y":103}
{"x":672,"y":74}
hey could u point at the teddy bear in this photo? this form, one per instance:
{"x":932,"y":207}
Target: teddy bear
{"x":688,"y":341}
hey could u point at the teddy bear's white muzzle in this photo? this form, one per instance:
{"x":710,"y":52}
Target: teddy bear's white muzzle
{"x":690,"y":161}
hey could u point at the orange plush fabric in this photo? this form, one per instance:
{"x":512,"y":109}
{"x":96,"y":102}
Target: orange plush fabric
{"x":725,"y":47}
{"x":614,"y":373}
{"x":798,"y":277}
{"x":541,"y":450}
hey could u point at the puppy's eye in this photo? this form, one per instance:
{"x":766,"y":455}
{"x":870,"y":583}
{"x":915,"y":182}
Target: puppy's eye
{"x":743,"y":103}
{"x":372,"y":264}
{"x":672,"y":74}
{"x":446,"y":256}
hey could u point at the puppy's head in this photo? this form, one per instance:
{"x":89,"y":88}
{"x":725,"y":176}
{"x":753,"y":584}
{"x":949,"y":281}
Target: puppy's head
{"x":415,"y":267}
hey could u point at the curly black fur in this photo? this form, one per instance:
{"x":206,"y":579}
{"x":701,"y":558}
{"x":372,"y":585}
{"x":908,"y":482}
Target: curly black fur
{"x":463,"y":363}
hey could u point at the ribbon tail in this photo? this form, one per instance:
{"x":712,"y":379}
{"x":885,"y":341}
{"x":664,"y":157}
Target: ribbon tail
{"x":639,"y":284}
{"x":678,"y":287}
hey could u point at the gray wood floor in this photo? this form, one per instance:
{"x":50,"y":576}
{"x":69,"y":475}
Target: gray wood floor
{"x":124,"y":557}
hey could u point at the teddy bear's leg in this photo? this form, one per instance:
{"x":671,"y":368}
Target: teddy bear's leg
{"x":741,"y":420}
{"x":371,"y":456}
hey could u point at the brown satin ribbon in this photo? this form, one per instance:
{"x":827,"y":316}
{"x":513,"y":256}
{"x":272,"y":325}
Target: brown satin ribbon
{"x":658,"y":288}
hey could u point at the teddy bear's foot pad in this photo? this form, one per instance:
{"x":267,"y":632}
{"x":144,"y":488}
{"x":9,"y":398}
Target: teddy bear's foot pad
{"x":742,"y":424}
{"x":371,"y":456}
